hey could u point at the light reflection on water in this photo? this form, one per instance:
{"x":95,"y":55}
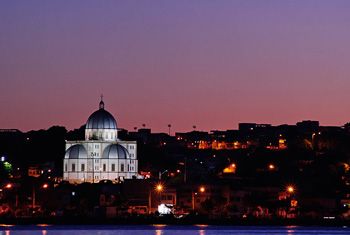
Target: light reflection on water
{"x":159,"y":232}
{"x":168,"y":230}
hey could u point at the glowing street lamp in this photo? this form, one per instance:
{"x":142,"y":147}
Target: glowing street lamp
{"x":44,"y":186}
{"x":201,"y":189}
{"x":159,"y":187}
{"x":271,"y":167}
{"x":10,"y":186}
{"x":290,"y":189}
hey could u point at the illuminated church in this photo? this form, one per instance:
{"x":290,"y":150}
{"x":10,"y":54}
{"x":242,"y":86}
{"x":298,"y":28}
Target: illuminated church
{"x":102,"y":156}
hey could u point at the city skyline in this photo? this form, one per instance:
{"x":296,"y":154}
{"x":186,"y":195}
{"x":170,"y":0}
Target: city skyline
{"x":213,"y":64}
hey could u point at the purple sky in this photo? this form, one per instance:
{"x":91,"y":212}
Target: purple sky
{"x":210,"y":63}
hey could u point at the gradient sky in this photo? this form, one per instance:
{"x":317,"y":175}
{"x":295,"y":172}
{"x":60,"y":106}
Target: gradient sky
{"x":210,"y":63}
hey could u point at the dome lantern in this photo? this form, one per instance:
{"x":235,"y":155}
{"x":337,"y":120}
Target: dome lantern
{"x":102,"y":104}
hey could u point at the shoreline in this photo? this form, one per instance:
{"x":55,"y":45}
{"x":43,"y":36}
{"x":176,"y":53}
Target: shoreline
{"x":42,"y":222}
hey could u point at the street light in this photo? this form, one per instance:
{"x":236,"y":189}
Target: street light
{"x":9,"y":187}
{"x":44,"y":186}
{"x":290,"y":189}
{"x":161,"y":173}
{"x":159,"y":189}
{"x":201,"y":190}
{"x":169,"y":126}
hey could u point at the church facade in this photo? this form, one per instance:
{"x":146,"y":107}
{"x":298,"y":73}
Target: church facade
{"x":101,"y":156}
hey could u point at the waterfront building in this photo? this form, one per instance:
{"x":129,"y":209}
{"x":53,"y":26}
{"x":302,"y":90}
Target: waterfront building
{"x":101,"y":156}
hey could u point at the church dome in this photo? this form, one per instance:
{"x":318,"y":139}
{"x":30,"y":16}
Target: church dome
{"x":101,"y":119}
{"x":115,"y":151}
{"x":75,"y":152}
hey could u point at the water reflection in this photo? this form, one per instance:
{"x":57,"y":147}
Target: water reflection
{"x":159,"y":232}
{"x":290,"y":232}
{"x":168,"y":230}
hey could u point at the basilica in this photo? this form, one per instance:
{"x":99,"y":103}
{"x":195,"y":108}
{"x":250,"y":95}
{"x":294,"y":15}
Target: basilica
{"x":101,"y":156}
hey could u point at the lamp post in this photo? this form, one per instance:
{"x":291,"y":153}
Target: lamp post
{"x":33,"y":197}
{"x":293,"y":202}
{"x":159,"y":189}
{"x":169,"y":126}
{"x":201,"y":189}
{"x":313,"y":142}
{"x":161,"y":173}
{"x":44,"y":186}
{"x":9,"y":186}
{"x":185,"y":171}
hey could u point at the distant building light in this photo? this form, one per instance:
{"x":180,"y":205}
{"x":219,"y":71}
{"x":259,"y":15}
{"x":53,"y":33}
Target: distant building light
{"x":230,"y":169}
{"x":3,"y":158}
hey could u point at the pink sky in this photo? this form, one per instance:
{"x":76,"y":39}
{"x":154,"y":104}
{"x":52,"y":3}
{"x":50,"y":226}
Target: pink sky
{"x":211,"y":64}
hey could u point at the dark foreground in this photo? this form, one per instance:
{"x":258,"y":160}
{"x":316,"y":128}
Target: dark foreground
{"x":175,"y":221}
{"x":168,"y":229}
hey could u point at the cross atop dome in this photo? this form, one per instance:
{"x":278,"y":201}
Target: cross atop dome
{"x":102,"y":104}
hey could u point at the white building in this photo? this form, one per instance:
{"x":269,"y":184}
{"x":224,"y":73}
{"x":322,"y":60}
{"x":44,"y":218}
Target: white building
{"x":102,"y":156}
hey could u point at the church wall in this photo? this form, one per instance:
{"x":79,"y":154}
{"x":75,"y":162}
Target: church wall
{"x":93,"y":165}
{"x":101,"y":134}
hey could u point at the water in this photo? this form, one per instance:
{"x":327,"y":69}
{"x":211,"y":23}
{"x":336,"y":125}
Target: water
{"x":168,"y":230}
